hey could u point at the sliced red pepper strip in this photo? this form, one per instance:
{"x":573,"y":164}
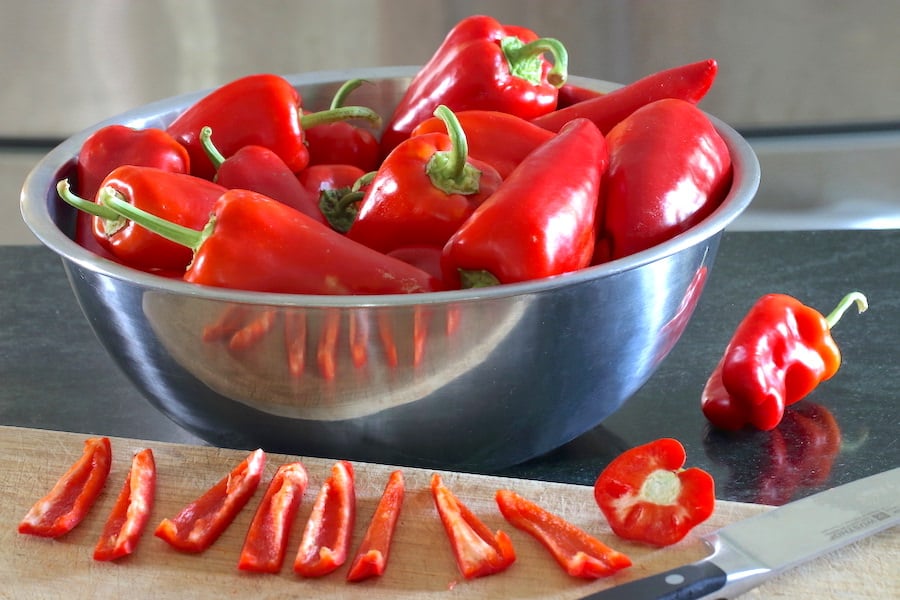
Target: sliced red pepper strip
{"x":129,"y":515}
{"x":478,"y":551}
{"x":326,"y":539}
{"x":73,"y":495}
{"x":372,"y":556}
{"x":577,"y":552}
{"x":267,"y":538}
{"x":201,"y":522}
{"x":647,"y":495}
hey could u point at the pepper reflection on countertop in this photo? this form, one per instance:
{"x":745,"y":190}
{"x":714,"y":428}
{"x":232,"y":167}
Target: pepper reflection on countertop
{"x":56,"y":376}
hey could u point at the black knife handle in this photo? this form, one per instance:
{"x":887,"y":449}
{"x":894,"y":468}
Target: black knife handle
{"x":683,"y":583}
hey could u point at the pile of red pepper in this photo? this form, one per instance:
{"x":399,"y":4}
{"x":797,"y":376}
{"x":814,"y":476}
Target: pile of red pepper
{"x":491,"y":169}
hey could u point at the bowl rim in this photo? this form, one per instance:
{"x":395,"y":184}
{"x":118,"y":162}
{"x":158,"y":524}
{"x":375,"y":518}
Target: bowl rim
{"x":38,"y":191}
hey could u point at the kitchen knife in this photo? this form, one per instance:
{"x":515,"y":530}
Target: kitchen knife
{"x":746,"y":553}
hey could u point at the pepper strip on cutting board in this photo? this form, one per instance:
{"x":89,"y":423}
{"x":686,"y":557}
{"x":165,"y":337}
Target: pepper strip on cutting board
{"x":325,"y":544}
{"x":129,"y":515}
{"x":372,"y":556}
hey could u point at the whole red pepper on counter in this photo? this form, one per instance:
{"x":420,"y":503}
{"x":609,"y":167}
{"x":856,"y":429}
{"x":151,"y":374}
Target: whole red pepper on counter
{"x":325,"y":544}
{"x":424,"y":190}
{"x":126,"y":521}
{"x":343,"y":143}
{"x":482,"y":64}
{"x":779,"y":353}
{"x":258,"y":110}
{"x":177,"y":197}
{"x":200,"y":523}
{"x":646,"y":495}
{"x":478,"y":550}
{"x":255,"y":243}
{"x":689,"y":82}
{"x":577,"y":552}
{"x":73,"y":495}
{"x":540,"y":222}
{"x":372,"y":556}
{"x":668,"y":169}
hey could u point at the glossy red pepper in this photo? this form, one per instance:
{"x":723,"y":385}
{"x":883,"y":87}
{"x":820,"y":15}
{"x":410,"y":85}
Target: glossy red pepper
{"x":129,"y":515}
{"x":668,"y":170}
{"x":372,"y":556}
{"x":541,"y":221}
{"x":329,"y":188}
{"x":255,"y":243}
{"x":266,"y":541}
{"x":570,"y":94}
{"x":200,"y":523}
{"x":647,"y":496}
{"x":478,"y":551}
{"x":343,"y":143}
{"x":577,"y":552}
{"x":259,"y":169}
{"x":325,"y":544}
{"x":689,"y":82}
{"x":255,"y":110}
{"x":499,"y":139}
{"x":73,"y":495}
{"x":780,"y":351}
{"x":424,"y":190}
{"x":482,"y":64}
{"x":177,"y":197}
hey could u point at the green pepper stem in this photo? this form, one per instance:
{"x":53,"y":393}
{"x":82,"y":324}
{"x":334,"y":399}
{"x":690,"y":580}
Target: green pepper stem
{"x":450,"y":170}
{"x":523,"y":59}
{"x":342,"y":113}
{"x":215,"y":157}
{"x":167,"y":229}
{"x":853,"y":297}
{"x":92,"y":208}
{"x":341,"y":95}
{"x":471,"y":279}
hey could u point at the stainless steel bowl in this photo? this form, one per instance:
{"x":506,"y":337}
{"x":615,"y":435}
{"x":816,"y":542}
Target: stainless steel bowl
{"x":477,"y":379}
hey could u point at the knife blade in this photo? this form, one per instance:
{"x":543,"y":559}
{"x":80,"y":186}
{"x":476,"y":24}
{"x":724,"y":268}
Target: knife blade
{"x":746,"y":553}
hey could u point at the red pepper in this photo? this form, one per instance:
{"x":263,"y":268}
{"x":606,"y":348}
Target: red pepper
{"x":668,"y":170}
{"x":647,"y":495}
{"x":201,"y":522}
{"x":177,"y":197}
{"x":73,"y":495}
{"x":540,"y":222}
{"x":259,"y":169}
{"x":267,"y":538}
{"x":425,"y":189}
{"x":422,"y":256}
{"x":256,"y":110}
{"x":372,"y":555}
{"x":478,"y":551}
{"x":779,"y":353}
{"x":500,"y":139}
{"x":689,"y":82}
{"x":577,"y":552}
{"x":326,"y":539}
{"x":570,"y":94}
{"x":255,"y":243}
{"x":129,"y":516}
{"x":327,"y":186}
{"x":482,"y":64}
{"x":342,"y":143}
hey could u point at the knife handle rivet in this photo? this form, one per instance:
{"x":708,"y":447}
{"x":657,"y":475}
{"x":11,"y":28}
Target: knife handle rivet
{"x":674,"y":579}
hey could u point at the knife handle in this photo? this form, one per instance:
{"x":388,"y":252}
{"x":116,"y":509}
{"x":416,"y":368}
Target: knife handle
{"x":688,"y":582}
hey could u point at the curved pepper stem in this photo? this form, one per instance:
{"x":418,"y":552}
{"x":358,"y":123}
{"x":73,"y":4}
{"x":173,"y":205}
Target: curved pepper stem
{"x":345,"y":90}
{"x":215,"y":157}
{"x":112,"y":221}
{"x":853,"y":297}
{"x":525,"y":59}
{"x":339,"y":206}
{"x":450,"y":171}
{"x":174,"y":232}
{"x":341,"y":113}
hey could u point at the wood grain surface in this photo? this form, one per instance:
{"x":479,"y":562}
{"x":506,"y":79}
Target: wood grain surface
{"x":421,"y":564}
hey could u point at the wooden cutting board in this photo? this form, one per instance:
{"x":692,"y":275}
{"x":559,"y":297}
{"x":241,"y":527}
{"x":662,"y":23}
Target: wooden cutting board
{"x":421,"y":564}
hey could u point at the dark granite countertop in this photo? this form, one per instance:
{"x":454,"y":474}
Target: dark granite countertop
{"x":55,"y":375}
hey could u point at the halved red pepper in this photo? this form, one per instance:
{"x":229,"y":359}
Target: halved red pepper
{"x":423,"y":191}
{"x":325,"y":544}
{"x":478,"y":551}
{"x":343,"y":143}
{"x":540,"y":222}
{"x":73,"y":495}
{"x":646,"y":495}
{"x":780,"y":351}
{"x":255,"y":110}
{"x":200,"y":523}
{"x":689,"y":82}
{"x":579,"y":553}
{"x":668,"y":169}
{"x":177,"y":197}
{"x":126,"y":521}
{"x":267,"y":538}
{"x":482,"y":64}
{"x":255,"y":243}
{"x":372,"y":556}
